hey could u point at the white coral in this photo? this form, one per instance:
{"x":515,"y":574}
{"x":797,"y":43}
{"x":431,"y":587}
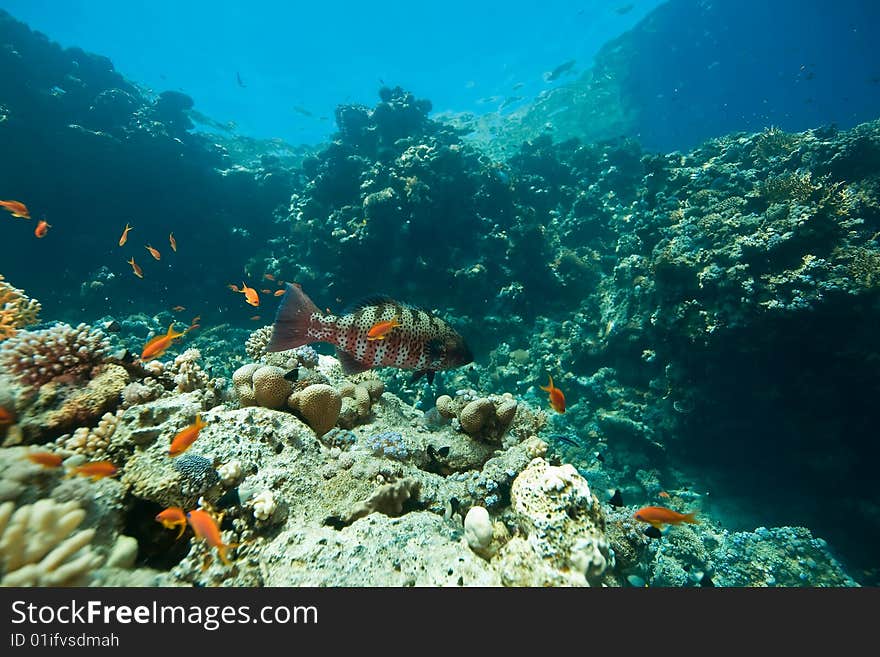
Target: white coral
{"x":230,"y":472}
{"x":478,"y":529}
{"x":38,"y":546}
{"x":264,"y":505}
{"x":188,"y":374}
{"x":92,"y":442}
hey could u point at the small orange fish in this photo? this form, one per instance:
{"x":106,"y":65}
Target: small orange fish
{"x":195,"y":320}
{"x":42,"y":228}
{"x":46,"y":459}
{"x":255,"y":318}
{"x":17,"y":208}
{"x":173,"y":517}
{"x":657,"y":516}
{"x":173,"y":242}
{"x":6,"y":416}
{"x":663,"y":494}
{"x":557,"y":399}
{"x":233,"y":287}
{"x":186,"y":437}
{"x":269,"y":277}
{"x":177,"y":309}
{"x":136,"y":268}
{"x":278,"y":293}
{"x":264,"y":291}
{"x":158,"y":345}
{"x":96,"y":470}
{"x":250,"y":295}
{"x":380,"y":330}
{"x":206,"y":527}
{"x":153,"y":252}
{"x":124,"y":238}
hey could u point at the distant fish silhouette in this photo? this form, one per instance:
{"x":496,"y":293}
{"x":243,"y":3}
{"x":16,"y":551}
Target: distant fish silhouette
{"x":616,"y":499}
{"x":239,"y":80}
{"x":625,"y":9}
{"x":302,"y":110}
{"x":557,"y":72}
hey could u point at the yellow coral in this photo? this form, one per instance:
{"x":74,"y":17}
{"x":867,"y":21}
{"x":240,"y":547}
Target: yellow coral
{"x":16,"y":310}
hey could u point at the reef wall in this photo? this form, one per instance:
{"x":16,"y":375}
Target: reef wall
{"x":695,"y":69}
{"x":91,"y":152}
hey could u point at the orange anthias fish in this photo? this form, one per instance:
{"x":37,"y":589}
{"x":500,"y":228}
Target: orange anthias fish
{"x":42,"y":228}
{"x":153,"y":252}
{"x":96,"y":470}
{"x":278,"y":293}
{"x":557,"y":399}
{"x":173,"y":242}
{"x":663,"y":494}
{"x":255,"y":318}
{"x":6,"y":416}
{"x":158,"y":345}
{"x":269,"y":277}
{"x":124,"y":238}
{"x":135,"y":267}
{"x":658,"y":516}
{"x":380,"y":330}
{"x":233,"y":287}
{"x":186,"y":437}
{"x":173,"y":517}
{"x":265,"y":291}
{"x":177,"y":309}
{"x":250,"y":295}
{"x":17,"y":208}
{"x":46,"y":459}
{"x":204,"y":526}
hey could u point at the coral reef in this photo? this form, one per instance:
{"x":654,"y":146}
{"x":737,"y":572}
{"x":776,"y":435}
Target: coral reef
{"x":719,"y":301}
{"x":38,"y":546}
{"x":40,"y":356}
{"x":563,"y":520}
{"x":319,"y":404}
{"x":16,"y":310}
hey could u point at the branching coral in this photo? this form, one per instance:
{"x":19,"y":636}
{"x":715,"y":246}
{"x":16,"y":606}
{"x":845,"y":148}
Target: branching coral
{"x":16,"y":310}
{"x":38,"y":546}
{"x":92,"y":442}
{"x":188,"y":374}
{"x":37,"y":357}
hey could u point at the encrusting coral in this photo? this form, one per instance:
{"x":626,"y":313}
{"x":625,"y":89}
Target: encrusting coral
{"x":16,"y":310}
{"x":388,"y":499}
{"x":38,"y":546}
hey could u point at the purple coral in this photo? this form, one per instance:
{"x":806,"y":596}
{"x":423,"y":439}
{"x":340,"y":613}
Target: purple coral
{"x":36,"y":357}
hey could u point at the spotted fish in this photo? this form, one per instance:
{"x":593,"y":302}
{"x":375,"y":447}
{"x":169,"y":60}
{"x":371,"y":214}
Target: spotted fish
{"x":420,"y":341}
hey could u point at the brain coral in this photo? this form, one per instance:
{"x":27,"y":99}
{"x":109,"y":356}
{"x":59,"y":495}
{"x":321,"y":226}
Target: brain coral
{"x":319,"y":404}
{"x":37,"y":357}
{"x":271,"y":389}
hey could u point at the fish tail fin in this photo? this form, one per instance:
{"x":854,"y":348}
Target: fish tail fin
{"x":291,"y":328}
{"x":549,"y":386}
{"x":691,"y":518}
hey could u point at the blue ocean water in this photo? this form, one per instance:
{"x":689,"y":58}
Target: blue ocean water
{"x":605,"y":192}
{"x":296,"y":57}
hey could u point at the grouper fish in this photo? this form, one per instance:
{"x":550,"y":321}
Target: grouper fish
{"x":417,"y":340}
